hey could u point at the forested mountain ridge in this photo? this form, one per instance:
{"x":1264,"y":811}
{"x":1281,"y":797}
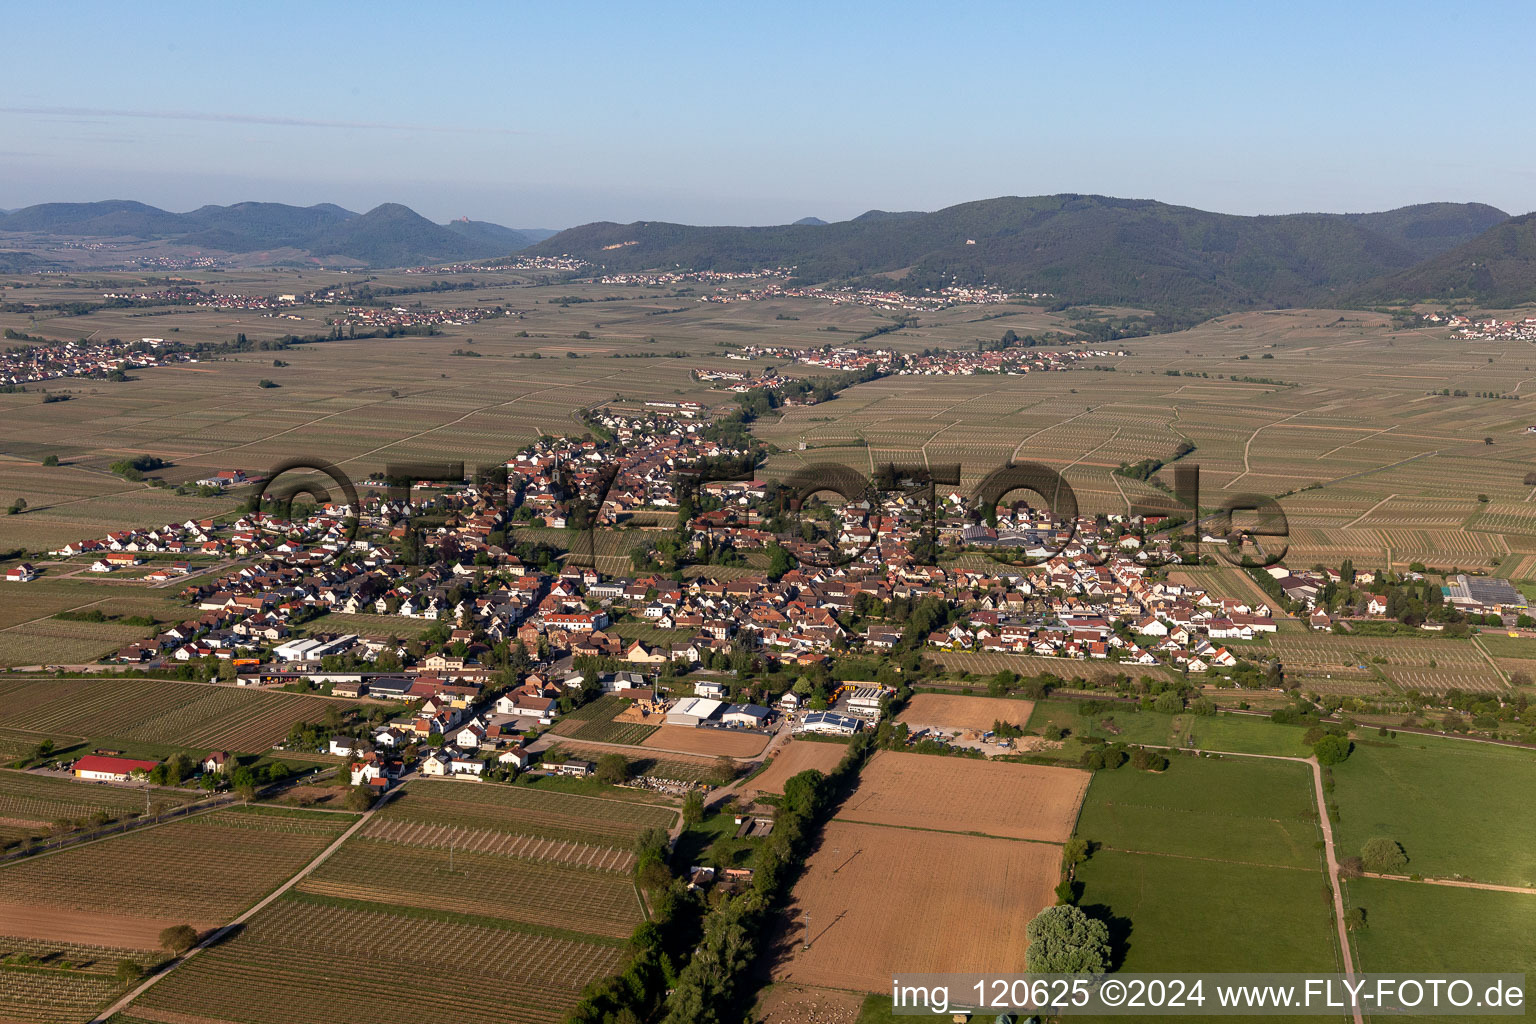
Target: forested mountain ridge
{"x":1078,"y":248}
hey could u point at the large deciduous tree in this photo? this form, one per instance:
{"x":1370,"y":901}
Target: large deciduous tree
{"x":1064,"y":940}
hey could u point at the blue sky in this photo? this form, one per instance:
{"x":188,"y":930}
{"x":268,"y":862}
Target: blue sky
{"x":548,"y":115}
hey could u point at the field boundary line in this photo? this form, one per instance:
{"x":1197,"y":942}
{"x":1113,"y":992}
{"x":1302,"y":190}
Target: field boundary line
{"x":219,"y":934}
{"x":951,"y":832}
{"x":1454,"y":883}
{"x":1208,"y":860}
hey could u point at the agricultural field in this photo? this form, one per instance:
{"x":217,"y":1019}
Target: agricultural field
{"x":792,"y":759}
{"x":1173,"y":912}
{"x":1215,"y":862}
{"x":675,"y":767}
{"x":688,"y":740}
{"x":595,"y":723}
{"x":1125,"y":723}
{"x":870,"y":903}
{"x":1399,"y":469}
{"x":545,"y":894}
{"x":194,"y":715}
{"x":89,"y":894}
{"x":508,"y":844}
{"x":953,"y":711}
{"x":285,"y":962}
{"x":30,"y":635}
{"x":1449,"y":803}
{"x":43,"y":982}
{"x":1471,"y":930}
{"x":955,"y":794}
{"x":990,"y":663}
{"x":597,"y":821}
{"x":1229,"y":809}
{"x":32,"y":805}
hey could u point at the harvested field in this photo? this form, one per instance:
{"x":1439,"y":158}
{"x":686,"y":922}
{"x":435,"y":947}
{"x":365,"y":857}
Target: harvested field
{"x":870,"y":904}
{"x":731,"y":742}
{"x":1013,"y":801}
{"x":952,"y":711}
{"x":792,"y":759}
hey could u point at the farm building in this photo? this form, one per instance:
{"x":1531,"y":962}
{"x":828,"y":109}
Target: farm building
{"x":864,"y":701}
{"x":693,"y":710}
{"x":23,"y":573}
{"x":99,"y":768}
{"x":753,"y":716}
{"x":393,"y":687}
{"x":1484,"y":594}
{"x":312,"y":648}
{"x":580,"y":769}
{"x":831,"y":722}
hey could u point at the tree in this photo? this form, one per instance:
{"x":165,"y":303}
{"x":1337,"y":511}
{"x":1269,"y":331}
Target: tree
{"x":612,"y":769}
{"x":50,"y":460}
{"x":1383,"y":855}
{"x":1168,"y":703}
{"x":725,"y":770}
{"x":128,"y":972}
{"x":359,"y":799}
{"x":1064,"y":940}
{"x":1332,"y":749}
{"x":693,"y":809}
{"x":17,"y":507}
{"x":178,"y":938}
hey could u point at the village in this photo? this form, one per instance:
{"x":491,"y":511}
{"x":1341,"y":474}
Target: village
{"x":498,"y":639}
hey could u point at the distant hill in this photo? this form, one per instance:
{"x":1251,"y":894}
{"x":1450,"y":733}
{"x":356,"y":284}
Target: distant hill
{"x":813,"y":221}
{"x":1497,"y":268}
{"x":389,"y":235}
{"x":108,"y":218}
{"x":392,"y":235}
{"x":508,"y":239}
{"x":1078,"y":248}
{"x":1431,"y":228}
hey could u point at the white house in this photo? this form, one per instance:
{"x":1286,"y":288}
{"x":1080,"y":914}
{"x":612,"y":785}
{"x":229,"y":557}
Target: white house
{"x":709,"y":688}
{"x":23,"y":573}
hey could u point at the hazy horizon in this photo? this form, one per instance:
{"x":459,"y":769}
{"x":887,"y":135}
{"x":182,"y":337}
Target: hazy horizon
{"x":545,"y":117}
{"x":360,"y":209}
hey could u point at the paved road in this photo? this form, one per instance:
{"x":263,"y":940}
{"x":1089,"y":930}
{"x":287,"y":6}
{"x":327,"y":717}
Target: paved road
{"x":220,"y":934}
